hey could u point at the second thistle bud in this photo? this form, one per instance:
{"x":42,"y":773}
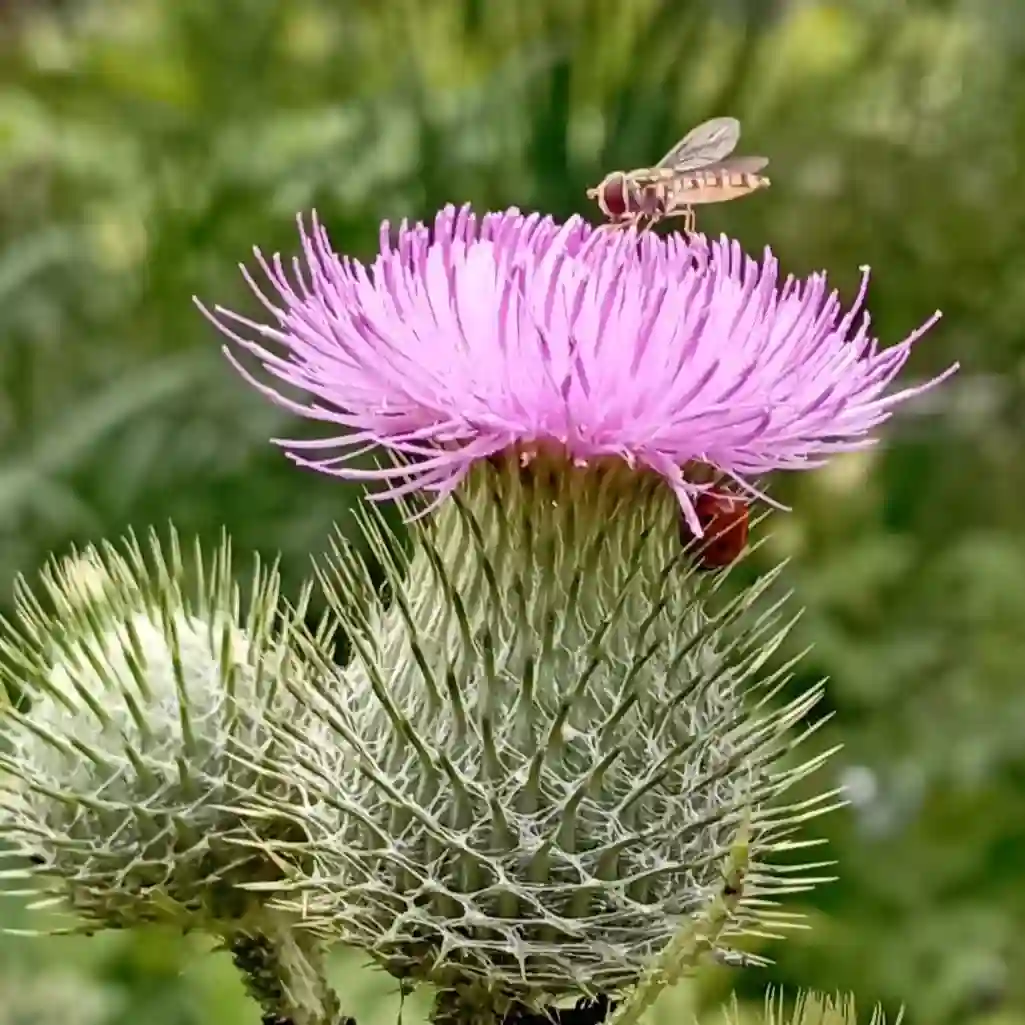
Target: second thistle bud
{"x":131,"y":736}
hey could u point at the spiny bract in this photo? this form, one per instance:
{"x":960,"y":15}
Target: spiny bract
{"x":542,"y":755}
{"x":809,"y":1009}
{"x":123,"y":749}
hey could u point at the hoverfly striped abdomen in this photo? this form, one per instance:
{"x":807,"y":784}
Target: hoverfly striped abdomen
{"x":716,"y":186}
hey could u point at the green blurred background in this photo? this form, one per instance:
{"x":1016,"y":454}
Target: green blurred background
{"x":146,"y":145}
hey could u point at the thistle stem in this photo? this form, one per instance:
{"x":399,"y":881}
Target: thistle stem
{"x":466,"y":1006}
{"x":584,"y":1012}
{"x":286,"y":977}
{"x":477,"y":1007}
{"x":696,"y":940}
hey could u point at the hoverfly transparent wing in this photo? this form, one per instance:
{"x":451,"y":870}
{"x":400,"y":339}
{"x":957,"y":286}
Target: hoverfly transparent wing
{"x":740,"y":165}
{"x":709,"y":143}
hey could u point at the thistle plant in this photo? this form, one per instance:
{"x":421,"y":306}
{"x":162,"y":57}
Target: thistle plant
{"x":553,"y":774}
{"x":563,"y":766}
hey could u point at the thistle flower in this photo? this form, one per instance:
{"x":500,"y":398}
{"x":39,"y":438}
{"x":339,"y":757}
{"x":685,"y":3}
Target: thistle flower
{"x":514,"y":332}
{"x":120,"y":756}
{"x":558,"y":757}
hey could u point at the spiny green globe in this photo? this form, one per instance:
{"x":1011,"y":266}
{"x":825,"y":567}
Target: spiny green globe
{"x":545,"y":742}
{"x":132,"y":736}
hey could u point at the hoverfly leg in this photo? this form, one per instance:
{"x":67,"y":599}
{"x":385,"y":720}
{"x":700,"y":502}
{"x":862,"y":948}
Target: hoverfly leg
{"x":638,"y":222}
{"x":652,"y":221}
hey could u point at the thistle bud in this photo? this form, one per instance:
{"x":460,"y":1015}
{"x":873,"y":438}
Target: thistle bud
{"x":547,"y":772}
{"x":125,"y":748}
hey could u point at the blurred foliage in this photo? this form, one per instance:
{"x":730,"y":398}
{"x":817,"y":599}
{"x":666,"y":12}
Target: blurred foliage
{"x":146,"y":145}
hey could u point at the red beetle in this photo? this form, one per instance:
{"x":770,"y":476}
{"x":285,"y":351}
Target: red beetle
{"x":724,"y":519}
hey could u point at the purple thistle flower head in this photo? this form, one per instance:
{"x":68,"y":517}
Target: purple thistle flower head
{"x":512,"y":332}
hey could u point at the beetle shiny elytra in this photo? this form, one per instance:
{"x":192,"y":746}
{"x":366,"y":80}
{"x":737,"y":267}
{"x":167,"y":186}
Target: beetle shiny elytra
{"x":724,"y":518}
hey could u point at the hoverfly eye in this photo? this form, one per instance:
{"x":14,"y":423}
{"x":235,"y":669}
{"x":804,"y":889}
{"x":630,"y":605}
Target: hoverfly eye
{"x":613,"y":196}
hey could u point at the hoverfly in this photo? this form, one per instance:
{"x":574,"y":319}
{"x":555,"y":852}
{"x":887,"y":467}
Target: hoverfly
{"x":698,"y":169}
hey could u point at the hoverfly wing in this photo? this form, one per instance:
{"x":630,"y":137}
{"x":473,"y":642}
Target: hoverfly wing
{"x":709,"y":143}
{"x":740,"y":165}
